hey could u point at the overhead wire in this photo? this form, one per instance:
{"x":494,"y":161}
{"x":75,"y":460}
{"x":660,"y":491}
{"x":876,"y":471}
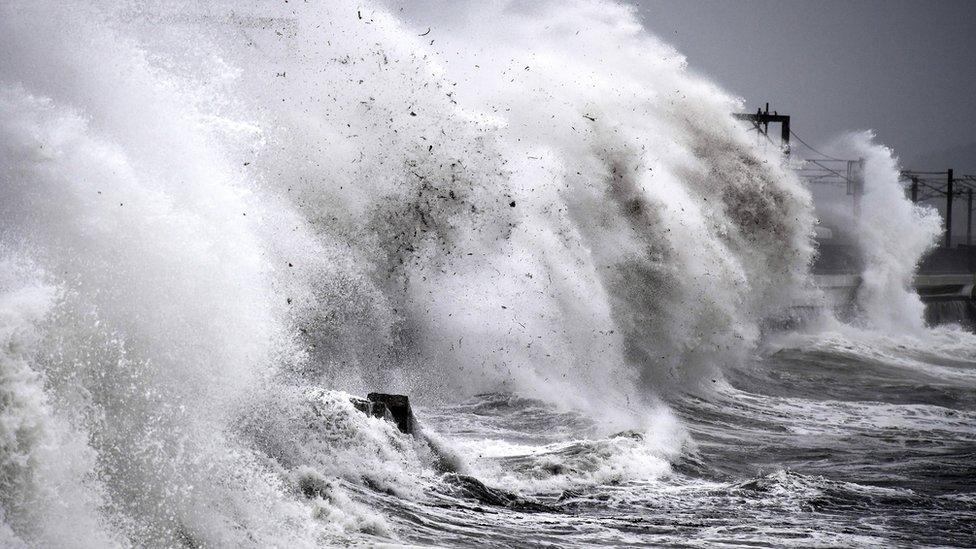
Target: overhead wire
{"x":798,"y":138}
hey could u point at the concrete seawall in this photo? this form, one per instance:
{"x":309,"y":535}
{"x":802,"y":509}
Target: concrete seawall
{"x":948,"y":298}
{"x":842,"y":288}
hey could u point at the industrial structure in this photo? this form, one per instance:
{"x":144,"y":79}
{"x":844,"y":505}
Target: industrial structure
{"x":946,"y":274}
{"x":825,"y":169}
{"x":948,"y":185}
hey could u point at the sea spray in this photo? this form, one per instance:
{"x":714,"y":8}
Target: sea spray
{"x":48,"y":493}
{"x":156,"y":334}
{"x":239,"y":208}
{"x":888,"y":234}
{"x":893,"y":234}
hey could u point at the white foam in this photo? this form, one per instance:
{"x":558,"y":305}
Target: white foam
{"x":229,"y":207}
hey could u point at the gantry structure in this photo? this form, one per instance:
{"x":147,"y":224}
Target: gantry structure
{"x":823,"y":169}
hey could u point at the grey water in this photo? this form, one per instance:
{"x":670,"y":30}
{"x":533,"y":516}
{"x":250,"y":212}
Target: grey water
{"x":811,"y":445}
{"x":220,"y":221}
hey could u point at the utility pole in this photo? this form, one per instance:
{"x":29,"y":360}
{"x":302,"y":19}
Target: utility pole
{"x":969,"y":217}
{"x":761,"y":119}
{"x":948,"y":228}
{"x":855,"y":171}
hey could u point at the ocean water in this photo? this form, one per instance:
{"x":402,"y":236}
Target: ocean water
{"x":219,"y":221}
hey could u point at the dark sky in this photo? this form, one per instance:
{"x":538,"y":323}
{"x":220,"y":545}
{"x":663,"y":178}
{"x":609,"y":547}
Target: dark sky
{"x":905,"y":68}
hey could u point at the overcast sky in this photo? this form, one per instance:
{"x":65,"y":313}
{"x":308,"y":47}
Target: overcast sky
{"x":905,"y":68}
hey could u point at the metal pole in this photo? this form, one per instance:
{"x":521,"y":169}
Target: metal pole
{"x":969,"y":217}
{"x":914,"y":190}
{"x":948,"y":227}
{"x":784,"y":134}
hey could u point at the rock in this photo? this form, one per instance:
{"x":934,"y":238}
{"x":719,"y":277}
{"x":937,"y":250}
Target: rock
{"x":393,"y":408}
{"x":398,"y":407}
